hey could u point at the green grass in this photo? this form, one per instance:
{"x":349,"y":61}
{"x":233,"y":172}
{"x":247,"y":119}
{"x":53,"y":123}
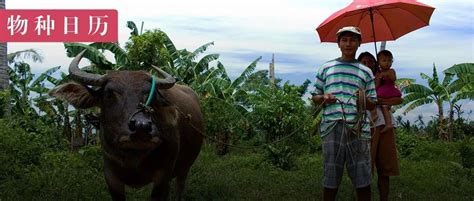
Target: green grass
{"x":62,"y":175}
{"x":245,"y":177}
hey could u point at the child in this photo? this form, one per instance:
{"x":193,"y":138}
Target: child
{"x":385,"y":85}
{"x":369,"y":60}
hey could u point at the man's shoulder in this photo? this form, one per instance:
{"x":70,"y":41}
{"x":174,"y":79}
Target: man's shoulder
{"x":330,"y":62}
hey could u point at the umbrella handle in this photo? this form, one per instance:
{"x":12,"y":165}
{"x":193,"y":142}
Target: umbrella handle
{"x":373,"y":29}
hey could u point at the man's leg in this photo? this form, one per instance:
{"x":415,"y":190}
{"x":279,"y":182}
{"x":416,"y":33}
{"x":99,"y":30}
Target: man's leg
{"x":363,"y":194}
{"x":333,"y":160}
{"x":329,"y":194}
{"x":359,"y":167}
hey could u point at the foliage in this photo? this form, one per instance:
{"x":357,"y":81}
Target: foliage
{"x":24,"y":139}
{"x":78,"y":176}
{"x":147,"y":49}
{"x":466,"y":151}
{"x":406,"y":142}
{"x":4,"y":100}
{"x":464,"y":85}
{"x":232,"y":120}
{"x":27,"y":54}
{"x":435,"y":151}
{"x":441,"y":91}
{"x":280,"y":156}
{"x":280,"y":112}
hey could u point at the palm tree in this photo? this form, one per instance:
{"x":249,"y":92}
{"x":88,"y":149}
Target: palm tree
{"x":22,"y":82}
{"x":437,"y":92}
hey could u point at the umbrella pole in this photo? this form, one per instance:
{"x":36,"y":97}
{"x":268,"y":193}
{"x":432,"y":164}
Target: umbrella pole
{"x":373,"y":29}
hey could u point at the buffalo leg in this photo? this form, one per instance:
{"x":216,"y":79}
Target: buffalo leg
{"x":115,"y":186}
{"x":180,"y":183}
{"x":160,"y":192}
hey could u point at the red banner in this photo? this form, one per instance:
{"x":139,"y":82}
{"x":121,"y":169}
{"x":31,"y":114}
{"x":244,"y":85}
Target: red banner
{"x":58,"y":25}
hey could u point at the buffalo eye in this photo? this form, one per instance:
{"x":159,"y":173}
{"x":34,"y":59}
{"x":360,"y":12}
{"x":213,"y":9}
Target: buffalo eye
{"x":111,"y":94}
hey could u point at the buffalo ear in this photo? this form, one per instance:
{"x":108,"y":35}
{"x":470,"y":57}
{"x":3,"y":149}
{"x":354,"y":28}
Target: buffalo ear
{"x":77,"y":94}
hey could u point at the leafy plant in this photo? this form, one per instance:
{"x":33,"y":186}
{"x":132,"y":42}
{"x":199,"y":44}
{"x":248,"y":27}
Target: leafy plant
{"x":438,"y":92}
{"x":280,"y":156}
{"x":466,"y":151}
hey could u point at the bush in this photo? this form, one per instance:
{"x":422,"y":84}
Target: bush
{"x":435,"y":151}
{"x":281,"y":157}
{"x":315,"y":145}
{"x":466,"y":151}
{"x":23,"y":142}
{"x":406,"y":142}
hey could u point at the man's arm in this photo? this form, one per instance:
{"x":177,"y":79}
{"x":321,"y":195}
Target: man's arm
{"x":369,"y":104}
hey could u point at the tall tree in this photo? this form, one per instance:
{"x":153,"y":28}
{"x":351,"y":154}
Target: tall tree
{"x":3,"y":65}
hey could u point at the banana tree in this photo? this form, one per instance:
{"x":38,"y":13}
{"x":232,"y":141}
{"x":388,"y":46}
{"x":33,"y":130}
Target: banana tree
{"x":462,"y":88}
{"x":438,"y":91}
{"x":95,"y":53}
{"x":218,"y":90}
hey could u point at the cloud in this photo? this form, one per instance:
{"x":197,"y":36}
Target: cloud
{"x":244,"y":30}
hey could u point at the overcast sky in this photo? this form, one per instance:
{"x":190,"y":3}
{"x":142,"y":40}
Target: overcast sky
{"x":246,"y":29}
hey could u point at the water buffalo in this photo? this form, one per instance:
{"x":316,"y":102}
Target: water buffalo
{"x":141,"y":144}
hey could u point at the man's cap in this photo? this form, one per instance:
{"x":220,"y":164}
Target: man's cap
{"x":351,"y":29}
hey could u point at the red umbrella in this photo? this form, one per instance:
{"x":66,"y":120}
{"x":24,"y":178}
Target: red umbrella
{"x":379,"y":20}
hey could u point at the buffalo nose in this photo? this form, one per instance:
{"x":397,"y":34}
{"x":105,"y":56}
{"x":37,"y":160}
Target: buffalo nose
{"x":135,"y":125}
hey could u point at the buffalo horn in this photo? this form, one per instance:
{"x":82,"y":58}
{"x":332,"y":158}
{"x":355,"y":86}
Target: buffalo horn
{"x":166,"y":82}
{"x":81,"y":76}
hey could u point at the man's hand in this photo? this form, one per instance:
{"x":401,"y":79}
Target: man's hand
{"x":329,"y":98}
{"x":369,"y":104}
{"x":325,"y":98}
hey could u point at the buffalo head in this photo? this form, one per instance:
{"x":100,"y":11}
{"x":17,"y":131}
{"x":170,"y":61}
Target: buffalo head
{"x":126,"y":122}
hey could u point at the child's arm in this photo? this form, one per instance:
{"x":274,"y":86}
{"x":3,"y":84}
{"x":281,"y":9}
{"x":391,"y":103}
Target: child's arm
{"x":378,"y":77}
{"x":390,"y":101}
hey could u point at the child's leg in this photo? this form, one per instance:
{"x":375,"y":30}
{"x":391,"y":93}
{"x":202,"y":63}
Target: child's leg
{"x":387,"y":117}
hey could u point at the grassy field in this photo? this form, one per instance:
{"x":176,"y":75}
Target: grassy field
{"x":237,"y":176}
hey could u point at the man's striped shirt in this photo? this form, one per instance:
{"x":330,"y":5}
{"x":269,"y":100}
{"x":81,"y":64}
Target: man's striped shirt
{"x":343,"y":79}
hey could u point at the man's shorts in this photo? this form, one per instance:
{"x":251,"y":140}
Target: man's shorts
{"x":341,"y":147}
{"x":384,"y":153}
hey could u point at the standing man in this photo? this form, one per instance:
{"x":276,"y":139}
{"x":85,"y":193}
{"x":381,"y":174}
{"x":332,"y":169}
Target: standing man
{"x":337,"y":85}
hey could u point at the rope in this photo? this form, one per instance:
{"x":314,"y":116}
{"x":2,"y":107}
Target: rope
{"x":187,"y":116}
{"x":318,"y":108}
{"x":152,"y":90}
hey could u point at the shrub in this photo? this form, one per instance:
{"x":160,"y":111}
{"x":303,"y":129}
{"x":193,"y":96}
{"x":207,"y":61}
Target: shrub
{"x":406,"y":142}
{"x":315,"y":144}
{"x":435,"y":151}
{"x":466,"y":151}
{"x":23,"y":142}
{"x":281,"y":157}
